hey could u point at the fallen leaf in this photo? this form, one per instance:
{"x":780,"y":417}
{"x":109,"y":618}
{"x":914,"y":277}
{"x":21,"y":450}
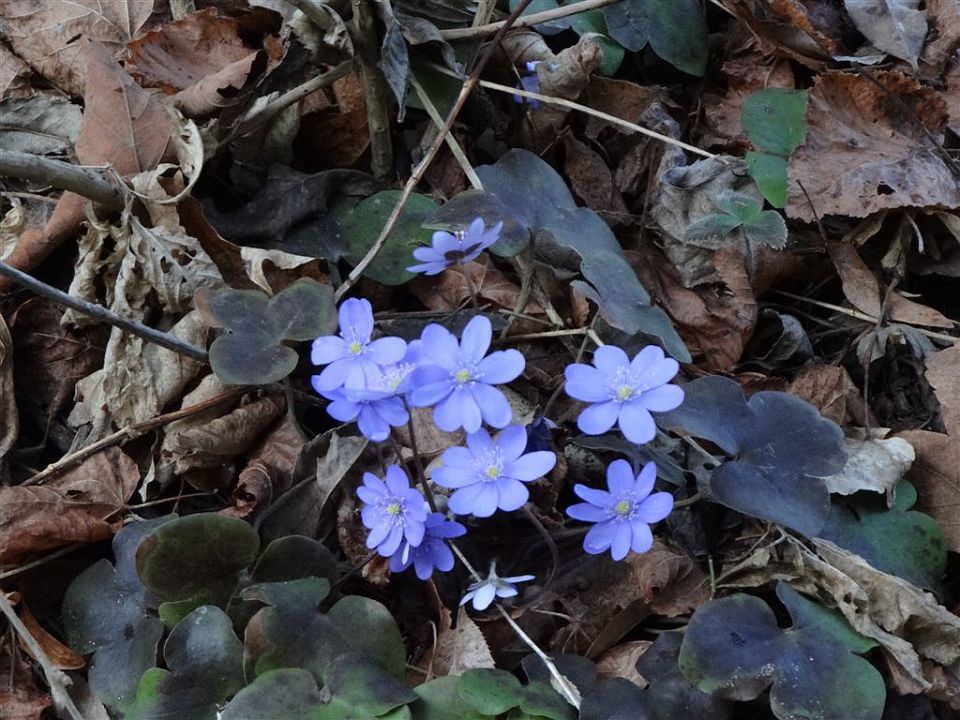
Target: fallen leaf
{"x":952,"y":97}
{"x":876,"y":465}
{"x":784,"y":29}
{"x":9,"y":417}
{"x":936,"y":476}
{"x":50,"y":35}
{"x":620,"y":98}
{"x":14,"y":78}
{"x":461,"y":648}
{"x":59,"y":655}
{"x":21,"y":698}
{"x":861,"y":288}
{"x":897,"y":27}
{"x":621,"y":661}
{"x":450,"y":290}
{"x":74,"y":507}
{"x":592,"y":181}
{"x":943,"y":374}
{"x":944,"y":21}
{"x":41,"y":124}
{"x":269,"y":471}
{"x":830,"y":389}
{"x":864,"y":154}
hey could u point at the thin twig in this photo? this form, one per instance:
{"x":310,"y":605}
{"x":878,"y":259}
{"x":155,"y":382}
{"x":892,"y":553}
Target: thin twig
{"x":166,"y":340}
{"x":542,"y":335}
{"x":94,"y":183}
{"x":129,"y":433}
{"x":525,"y":21}
{"x":375,"y":92}
{"x":431,"y":153}
{"x":56,"y":679}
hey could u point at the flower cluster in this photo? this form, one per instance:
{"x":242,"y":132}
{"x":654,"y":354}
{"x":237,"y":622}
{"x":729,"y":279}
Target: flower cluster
{"x":375,"y":381}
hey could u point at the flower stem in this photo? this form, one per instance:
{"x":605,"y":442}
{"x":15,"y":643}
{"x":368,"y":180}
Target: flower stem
{"x":418,"y":461}
{"x":688,"y":501}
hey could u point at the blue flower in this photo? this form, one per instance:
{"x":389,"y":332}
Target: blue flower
{"x":454,"y":248}
{"x":624,"y":514}
{"x":488,"y":475}
{"x":459,"y":380}
{"x":393,"y":512}
{"x":624,"y":392}
{"x":483,"y":593}
{"x":352,"y":359}
{"x":431,"y":554}
{"x":376,"y":409}
{"x":530,"y":82}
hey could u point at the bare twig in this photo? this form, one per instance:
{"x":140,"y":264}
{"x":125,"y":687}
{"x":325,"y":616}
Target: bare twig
{"x":431,"y":153}
{"x":375,"y":92}
{"x":56,"y":679}
{"x":526,"y":20}
{"x":97,"y":184}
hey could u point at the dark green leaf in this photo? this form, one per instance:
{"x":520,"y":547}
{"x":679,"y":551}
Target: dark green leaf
{"x":304,"y":310}
{"x":287,"y":694}
{"x":734,"y":649}
{"x":775,"y":119}
{"x":898,"y":541}
{"x":363,"y":685}
{"x":769,"y":172}
{"x":540,"y":699}
{"x":440,"y":700}
{"x":783,"y":449}
{"x":489,"y":691}
{"x":675,"y":29}
{"x":372,"y":631}
{"x":293,"y":557}
{"x":247,"y":359}
{"x":614,"y":699}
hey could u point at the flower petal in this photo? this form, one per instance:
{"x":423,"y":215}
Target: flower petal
{"x":453,"y":477}
{"x":620,"y":477}
{"x":587,"y":513}
{"x":427,"y":268}
{"x":501,"y":366}
{"x":392,"y":410}
{"x":423,"y":566}
{"x":428,"y":255}
{"x":476,"y":337}
{"x":396,"y":480}
{"x":442,"y":346}
{"x":641,"y":538}
{"x":586,"y":383}
{"x":442,"y":557}
{"x":430,"y":393}
{"x":458,"y":409}
{"x":646,"y":358}
{"x":479,"y":443}
{"x":511,"y":442}
{"x":623,"y":534}
{"x":658,"y":373}
{"x":493,"y":406}
{"x":325,"y":350}
{"x":343,"y":410}
{"x":600,"y":498}
{"x":599,"y":538}
{"x":513,"y":494}
{"x":463,"y":500}
{"x":372,"y":426}
{"x":484,"y":596}
{"x":378,"y":533}
{"x":332,"y":376}
{"x":445,"y":242}
{"x":458,"y":457}
{"x":387,"y":350}
{"x":608,"y":358}
{"x":662,"y":399}
{"x":389,"y":546}
{"x":487,"y":499}
{"x":356,"y":320}
{"x":645,"y":480}
{"x":636,"y":423}
{"x":655,"y":508}
{"x":599,"y":418}
{"x":531,"y":466}
{"x":413,"y":532}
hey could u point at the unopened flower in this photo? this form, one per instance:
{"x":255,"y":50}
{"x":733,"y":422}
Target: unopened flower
{"x":431,"y":554}
{"x":393,"y":512}
{"x":352,"y":359}
{"x":530,"y":82}
{"x":624,"y":514}
{"x":487,"y":474}
{"x":457,"y":248}
{"x":623,"y":391}
{"x":458,"y":378}
{"x":483,"y":593}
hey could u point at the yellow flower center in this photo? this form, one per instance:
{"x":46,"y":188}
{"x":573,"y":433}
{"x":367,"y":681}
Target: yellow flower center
{"x":492,"y":472}
{"x":624,"y":392}
{"x":622,"y":508}
{"x":393,"y":508}
{"x":355,"y":348}
{"x":462,"y":376}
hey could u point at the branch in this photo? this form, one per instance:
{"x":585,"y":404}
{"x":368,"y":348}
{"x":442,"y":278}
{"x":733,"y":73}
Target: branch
{"x":375,"y":92}
{"x":133,"y":327}
{"x":94,"y":183}
{"x":526,"y":20}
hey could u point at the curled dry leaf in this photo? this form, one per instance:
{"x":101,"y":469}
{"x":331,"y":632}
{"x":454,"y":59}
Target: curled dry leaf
{"x":60,"y":656}
{"x":944,"y":20}
{"x":876,"y":465}
{"x":621,"y":661}
{"x":459,"y":648}
{"x":785,"y":29}
{"x":14,"y":78}
{"x":898,"y":27}
{"x":871,"y":147}
{"x":81,"y":505}
{"x":592,"y":181}
{"x":269,"y":471}
{"x":943,"y":374}
{"x":831,"y":390}
{"x":450,"y":290}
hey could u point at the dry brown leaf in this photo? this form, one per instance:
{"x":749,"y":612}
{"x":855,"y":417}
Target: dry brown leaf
{"x":450,"y":290}
{"x":936,"y":476}
{"x":952,"y":96}
{"x":431,"y":440}
{"x":861,"y":288}
{"x":269,"y":471}
{"x":944,"y":19}
{"x":49,"y":35}
{"x":14,"y":75}
{"x":784,"y":29}
{"x":75,"y":507}
{"x":943,"y":374}
{"x":897,"y":27}
{"x":59,"y":655}
{"x":592,"y":181}
{"x":876,"y":465}
{"x":830,"y":389}
{"x":620,"y":98}
{"x":21,"y":698}
{"x":460,"y":648}
{"x":865,"y":153}
{"x":621,"y":661}
{"x":9,"y":417}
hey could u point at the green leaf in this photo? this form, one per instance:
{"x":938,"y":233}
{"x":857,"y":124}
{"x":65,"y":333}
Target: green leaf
{"x":739,"y":210}
{"x":206,"y":661}
{"x":540,"y":699}
{"x":196,"y":559}
{"x":734,"y":649}
{"x":489,"y":691}
{"x":372,"y":631}
{"x":440,"y":700}
{"x":287,"y":694}
{"x":897,"y":540}
{"x":768,"y":229}
{"x":362,"y":685}
{"x":775,"y":119}
{"x":769,"y":172}
{"x":675,"y":29}
{"x":105,"y":613}
{"x":536,"y":197}
{"x":251,"y":352}
{"x":362,"y":225}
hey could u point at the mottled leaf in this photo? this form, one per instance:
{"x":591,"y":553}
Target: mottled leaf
{"x":675,"y":29}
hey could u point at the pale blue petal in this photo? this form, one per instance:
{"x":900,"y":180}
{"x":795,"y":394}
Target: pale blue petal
{"x":531,"y":466}
{"x":493,"y":405}
{"x":356,"y":376}
{"x":442,"y":558}
{"x":372,"y":426}
{"x":428,"y":255}
{"x":356,"y":320}
{"x":423,"y":566}
{"x":620,"y":478}
{"x":662,"y":399}
{"x":343,"y":410}
{"x":518,"y":578}
{"x":513,"y":494}
{"x":445,"y":242}
{"x":507,"y":592}
{"x":459,"y":457}
{"x":476,"y":337}
{"x":441,"y":346}
{"x":413,"y":532}
{"x":387,"y":350}
{"x":655,"y":508}
{"x":486,"y":501}
{"x":430,"y":393}
{"x":389,"y":546}
{"x":479,"y":443}
{"x":484,"y":596}
{"x":599,"y":418}
{"x":501,"y":366}
{"x":453,"y":477}
{"x":645,"y":480}
{"x":622,"y":536}
{"x":600,"y":498}
{"x":396,"y":480}
{"x":463,"y":500}
{"x":641,"y":538}
{"x":378,"y":533}
{"x":608,"y":358}
{"x":658,"y":374}
{"x":429,"y":268}
{"x":512,"y":442}
{"x":325,"y":350}
{"x":458,"y":409}
{"x":586,"y":383}
{"x":393,"y":411}
{"x":588,"y":513}
{"x":332,"y":376}
{"x":599,"y":538}
{"x":636,"y":423}
{"x":646,"y":358}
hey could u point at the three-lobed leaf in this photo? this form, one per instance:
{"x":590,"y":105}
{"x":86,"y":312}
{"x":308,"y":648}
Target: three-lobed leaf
{"x":775,"y":121}
{"x":676,"y":30}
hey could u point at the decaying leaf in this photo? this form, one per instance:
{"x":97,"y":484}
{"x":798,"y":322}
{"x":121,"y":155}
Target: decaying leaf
{"x":459,"y":648}
{"x":9,"y":417}
{"x":897,"y":27}
{"x":936,"y":475}
{"x":873,"y":464}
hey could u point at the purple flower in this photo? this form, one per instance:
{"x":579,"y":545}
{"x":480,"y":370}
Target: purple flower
{"x":624,"y":392}
{"x":530,"y":82}
{"x":375,"y":409}
{"x":483,"y":593}
{"x":487,"y":475}
{"x":459,"y":380}
{"x":393,"y":512}
{"x":352,"y":359}
{"x":457,"y":248}
{"x":624,"y":514}
{"x":431,"y":554}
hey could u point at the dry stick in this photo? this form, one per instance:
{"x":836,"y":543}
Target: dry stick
{"x":431,"y":153}
{"x":97,"y":184}
{"x":166,"y":340}
{"x":375,"y":92}
{"x":525,"y":21}
{"x":56,"y":679}
{"x":129,"y":433}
